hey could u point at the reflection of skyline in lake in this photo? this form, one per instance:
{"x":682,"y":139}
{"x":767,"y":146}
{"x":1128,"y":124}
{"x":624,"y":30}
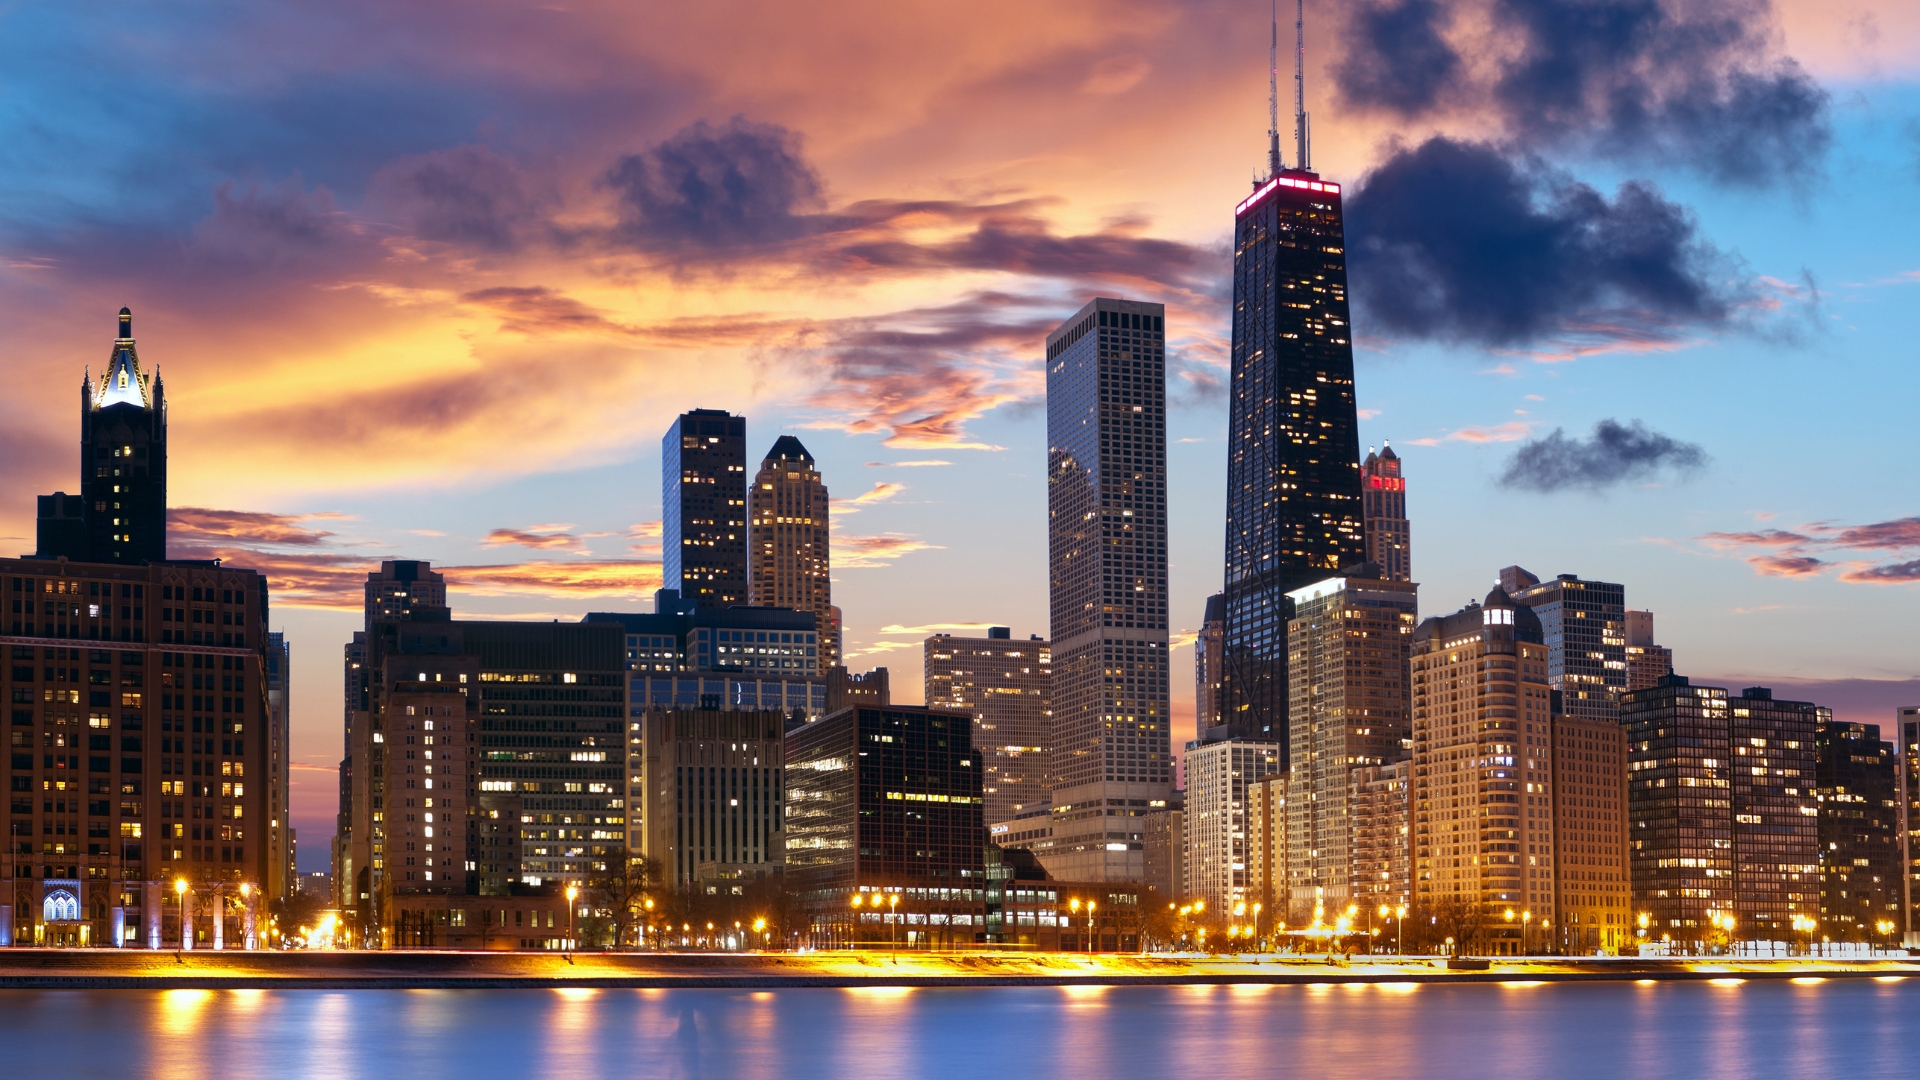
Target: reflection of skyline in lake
{"x":1858,"y":1029}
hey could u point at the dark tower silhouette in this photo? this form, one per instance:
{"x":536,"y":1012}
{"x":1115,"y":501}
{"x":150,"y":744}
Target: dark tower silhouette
{"x":121,"y":513}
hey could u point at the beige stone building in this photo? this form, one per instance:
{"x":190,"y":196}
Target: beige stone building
{"x":1590,"y":834}
{"x":1347,"y":651}
{"x":1482,"y":809}
{"x":787,"y":554}
{"x":1267,"y":845}
{"x":1007,"y":687}
{"x":1377,"y":801}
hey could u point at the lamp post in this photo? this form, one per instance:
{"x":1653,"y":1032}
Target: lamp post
{"x":572,"y":892}
{"x":893,"y":921}
{"x":186,"y":919}
{"x":1093,"y":933}
{"x":647,"y":903}
{"x":1509,"y":916}
{"x":855,"y":935}
{"x":1400,"y":928}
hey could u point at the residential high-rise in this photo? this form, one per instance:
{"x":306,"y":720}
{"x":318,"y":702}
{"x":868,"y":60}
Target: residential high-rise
{"x":1589,"y":792}
{"x":120,"y":515}
{"x":1906,"y":727}
{"x":703,"y":507}
{"x":1293,"y":446}
{"x":712,"y":794}
{"x":1348,"y":645}
{"x":1107,"y":541}
{"x":1165,"y":851}
{"x":905,"y":823}
{"x":1860,"y":834}
{"x":1218,"y":776}
{"x":1585,"y":623}
{"x":1006,"y":686}
{"x":1209,"y":664}
{"x":1482,"y":773}
{"x":1721,"y":810}
{"x":1383,"y":502}
{"x":788,"y":565}
{"x":1267,"y":845}
{"x":1646,"y":662}
{"x":1378,"y":839}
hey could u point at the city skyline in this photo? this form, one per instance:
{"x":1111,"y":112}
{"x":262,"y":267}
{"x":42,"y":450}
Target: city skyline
{"x":358,"y":373}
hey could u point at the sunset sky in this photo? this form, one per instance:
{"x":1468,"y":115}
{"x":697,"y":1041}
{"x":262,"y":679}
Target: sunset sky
{"x":1637,"y":293}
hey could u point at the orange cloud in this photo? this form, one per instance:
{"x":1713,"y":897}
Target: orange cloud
{"x":539,"y":537}
{"x":866,"y":552}
{"x":194,"y":524}
{"x":629,"y":578}
{"x":880,"y":492}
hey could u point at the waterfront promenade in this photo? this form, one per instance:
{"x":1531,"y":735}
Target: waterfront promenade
{"x":114,"y":969}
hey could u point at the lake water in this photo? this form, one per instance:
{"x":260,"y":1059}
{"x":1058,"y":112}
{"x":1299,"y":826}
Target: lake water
{"x":1852,"y":1029}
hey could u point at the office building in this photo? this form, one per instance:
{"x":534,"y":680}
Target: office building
{"x":845,"y":688}
{"x":1209,"y":665}
{"x":703,"y":507}
{"x":430,"y":713}
{"x":120,"y":515}
{"x":1267,"y":845}
{"x":1347,"y":653}
{"x":901,"y":831}
{"x":1294,"y":513}
{"x":1107,"y":561}
{"x":1647,"y":663}
{"x":711,"y":799}
{"x":1218,"y":776}
{"x":1006,"y":686}
{"x":1378,"y":845}
{"x":1164,"y":852}
{"x":787,"y":539}
{"x":1482,"y":815}
{"x":1722,"y":812}
{"x":1589,"y":792}
{"x":1585,"y":624}
{"x":1383,"y":504}
{"x":277,"y":665}
{"x":1861,"y":898}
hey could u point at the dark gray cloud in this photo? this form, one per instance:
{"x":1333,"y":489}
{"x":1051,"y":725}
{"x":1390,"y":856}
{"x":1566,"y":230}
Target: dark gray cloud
{"x":1697,"y":84}
{"x":1632,"y":77}
{"x":1397,"y":57}
{"x":708,"y":187}
{"x":1616,"y":453}
{"x":1456,"y":241}
{"x":466,"y":195}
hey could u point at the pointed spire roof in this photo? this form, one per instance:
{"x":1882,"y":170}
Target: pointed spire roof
{"x":788,"y":448}
{"x":122,"y":383}
{"x":1386,"y":450}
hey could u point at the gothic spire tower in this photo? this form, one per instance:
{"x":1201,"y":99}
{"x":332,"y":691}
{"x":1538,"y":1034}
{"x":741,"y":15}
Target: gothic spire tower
{"x":1293,"y":468}
{"x":121,"y":514}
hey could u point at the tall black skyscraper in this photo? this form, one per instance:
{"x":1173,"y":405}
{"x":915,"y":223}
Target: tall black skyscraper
{"x":1293,"y":454}
{"x":121,"y":513}
{"x":703,"y":504}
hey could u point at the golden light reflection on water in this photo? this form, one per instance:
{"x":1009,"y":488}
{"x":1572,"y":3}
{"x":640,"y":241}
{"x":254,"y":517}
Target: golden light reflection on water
{"x":1081,"y":996}
{"x":1250,"y":990}
{"x":577,"y":993}
{"x":180,"y":1009}
{"x":1727,"y":982}
{"x":878,"y":991}
{"x":1522,"y":984}
{"x":1398,"y":987}
{"x":1808,"y":980}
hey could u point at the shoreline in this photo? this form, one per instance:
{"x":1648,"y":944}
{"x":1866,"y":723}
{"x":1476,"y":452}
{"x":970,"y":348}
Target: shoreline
{"x":52,"y":969}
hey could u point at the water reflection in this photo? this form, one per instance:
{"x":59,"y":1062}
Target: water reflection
{"x":1855,"y":1028}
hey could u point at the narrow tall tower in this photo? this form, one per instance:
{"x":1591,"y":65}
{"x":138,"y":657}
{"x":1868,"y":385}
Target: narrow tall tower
{"x":787,"y":562}
{"x":123,"y":458}
{"x":703,"y":506}
{"x":1293,"y":466}
{"x":1107,"y":558}
{"x":1383,"y":501}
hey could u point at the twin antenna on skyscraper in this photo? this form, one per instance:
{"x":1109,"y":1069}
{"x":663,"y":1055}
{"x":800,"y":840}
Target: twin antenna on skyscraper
{"x":1302,"y":161}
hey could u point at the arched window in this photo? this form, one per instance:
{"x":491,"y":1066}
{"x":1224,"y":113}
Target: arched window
{"x":60,"y":906}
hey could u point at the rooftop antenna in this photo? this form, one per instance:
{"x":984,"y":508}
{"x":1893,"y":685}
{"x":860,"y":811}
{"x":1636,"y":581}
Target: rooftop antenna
{"x":1300,"y":85}
{"x":1273,"y":94}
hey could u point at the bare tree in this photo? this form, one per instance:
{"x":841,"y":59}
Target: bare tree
{"x":621,"y":890}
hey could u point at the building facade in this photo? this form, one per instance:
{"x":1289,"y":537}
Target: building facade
{"x":1585,"y":623}
{"x":1007,"y":687}
{"x":1906,"y":727}
{"x":1379,"y":848}
{"x":883,"y":805}
{"x":1209,"y":665}
{"x":1481,"y":803}
{"x":1107,"y":555}
{"x":1165,"y":852}
{"x":1861,"y":837}
{"x":1722,"y":811}
{"x":1219,"y":775}
{"x":703,"y":507}
{"x":1595,"y":905}
{"x":711,"y":799}
{"x":1348,"y":649}
{"x":1647,"y":663}
{"x":1267,"y":844}
{"x":789,"y":565}
{"x":1383,"y":504}
{"x":1293,"y":446}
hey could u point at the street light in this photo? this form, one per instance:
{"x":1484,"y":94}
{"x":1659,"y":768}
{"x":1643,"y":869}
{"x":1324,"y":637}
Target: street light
{"x":186,"y":926}
{"x":572,"y":891}
{"x":893,"y":919}
{"x":1400,"y":928}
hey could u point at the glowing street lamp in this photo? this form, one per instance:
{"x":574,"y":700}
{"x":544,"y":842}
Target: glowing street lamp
{"x":186,"y":919}
{"x":572,"y":892}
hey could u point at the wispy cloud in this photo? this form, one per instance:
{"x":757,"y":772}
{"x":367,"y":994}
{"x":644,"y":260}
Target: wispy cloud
{"x":1511,"y":431}
{"x":537,"y":537}
{"x":906,"y":464}
{"x":927,"y":629}
{"x":1810,"y":550}
{"x":866,"y":552}
{"x":199,"y":525}
{"x":879,"y":493}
